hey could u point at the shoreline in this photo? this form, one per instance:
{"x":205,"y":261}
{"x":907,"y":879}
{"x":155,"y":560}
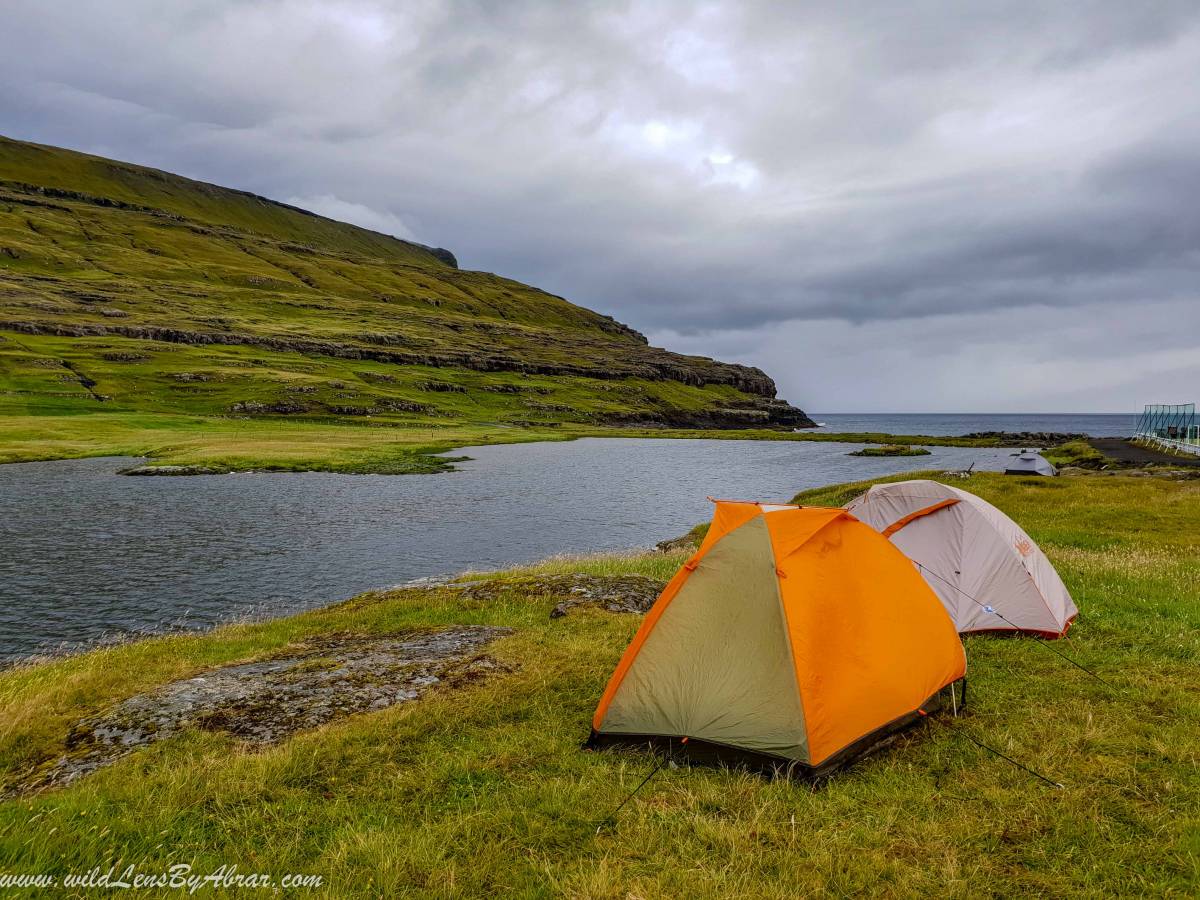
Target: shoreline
{"x":668,"y":549}
{"x":198,"y":446}
{"x":458,"y":564}
{"x":666,"y":545}
{"x":161,"y":591}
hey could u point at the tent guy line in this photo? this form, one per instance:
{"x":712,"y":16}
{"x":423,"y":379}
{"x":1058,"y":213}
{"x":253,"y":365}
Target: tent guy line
{"x":612,"y":816}
{"x":958,"y":729}
{"x":998,"y":614}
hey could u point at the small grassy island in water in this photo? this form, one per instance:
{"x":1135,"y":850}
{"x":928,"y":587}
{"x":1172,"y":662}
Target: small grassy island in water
{"x":891,"y":450}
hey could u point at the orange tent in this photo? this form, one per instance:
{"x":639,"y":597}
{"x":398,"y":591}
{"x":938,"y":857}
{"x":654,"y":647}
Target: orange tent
{"x":795,"y":638}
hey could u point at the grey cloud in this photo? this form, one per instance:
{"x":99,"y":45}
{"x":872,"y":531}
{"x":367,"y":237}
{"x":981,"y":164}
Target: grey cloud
{"x":716,"y":173}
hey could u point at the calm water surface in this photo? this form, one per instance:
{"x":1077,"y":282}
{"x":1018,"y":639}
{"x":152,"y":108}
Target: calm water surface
{"x":86,"y":554}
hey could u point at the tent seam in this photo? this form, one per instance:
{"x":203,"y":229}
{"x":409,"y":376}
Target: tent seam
{"x":904,"y":521}
{"x":650,"y":625}
{"x":817,"y":531}
{"x":787,"y":632}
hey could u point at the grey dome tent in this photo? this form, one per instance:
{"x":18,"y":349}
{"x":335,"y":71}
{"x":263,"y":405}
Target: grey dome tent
{"x":1029,"y":462}
{"x":988,"y":573}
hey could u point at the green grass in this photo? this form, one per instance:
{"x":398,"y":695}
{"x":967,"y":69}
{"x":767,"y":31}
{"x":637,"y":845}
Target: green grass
{"x":486,"y":792}
{"x":891,"y":450}
{"x":250,"y":445}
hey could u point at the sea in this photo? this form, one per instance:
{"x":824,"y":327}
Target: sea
{"x":942,"y":424}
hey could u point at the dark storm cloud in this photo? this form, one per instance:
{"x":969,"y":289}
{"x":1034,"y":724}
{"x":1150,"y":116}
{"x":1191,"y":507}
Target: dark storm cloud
{"x":847,"y":176}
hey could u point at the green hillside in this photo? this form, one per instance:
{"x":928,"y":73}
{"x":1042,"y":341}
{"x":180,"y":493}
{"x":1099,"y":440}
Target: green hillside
{"x":130,"y":291}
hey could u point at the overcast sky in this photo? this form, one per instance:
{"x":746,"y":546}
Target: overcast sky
{"x":887,"y":206}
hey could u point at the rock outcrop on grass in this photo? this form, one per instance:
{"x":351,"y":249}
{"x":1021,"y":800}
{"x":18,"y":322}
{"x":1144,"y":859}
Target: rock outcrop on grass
{"x":262,"y":702}
{"x":1027,"y":438}
{"x":326,"y":677}
{"x":614,"y":593}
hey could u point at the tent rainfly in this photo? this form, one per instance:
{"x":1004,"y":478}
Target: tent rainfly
{"x":1029,"y":462}
{"x":973,"y":556}
{"x":795,"y":639}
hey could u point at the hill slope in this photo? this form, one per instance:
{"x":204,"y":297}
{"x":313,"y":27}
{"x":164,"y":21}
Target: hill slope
{"x":127,"y":289}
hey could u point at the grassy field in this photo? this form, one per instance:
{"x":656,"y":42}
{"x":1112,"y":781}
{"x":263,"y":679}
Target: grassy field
{"x":485,"y":792}
{"x":250,"y":444}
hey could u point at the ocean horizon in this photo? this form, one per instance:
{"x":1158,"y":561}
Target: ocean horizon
{"x":1094,"y":424}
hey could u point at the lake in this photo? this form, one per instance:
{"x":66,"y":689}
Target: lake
{"x":90,"y":555}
